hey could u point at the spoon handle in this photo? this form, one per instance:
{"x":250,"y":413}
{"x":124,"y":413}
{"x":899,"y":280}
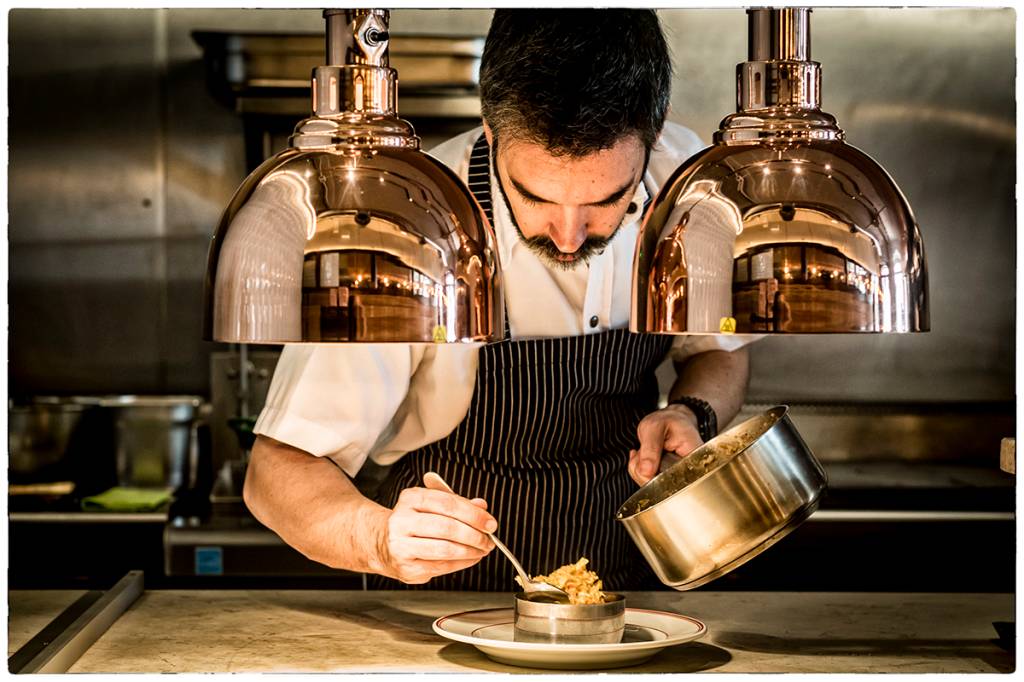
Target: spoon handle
{"x":527,"y":581}
{"x":436,"y":479}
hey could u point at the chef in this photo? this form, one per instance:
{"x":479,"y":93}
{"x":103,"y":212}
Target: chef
{"x":546,"y":433}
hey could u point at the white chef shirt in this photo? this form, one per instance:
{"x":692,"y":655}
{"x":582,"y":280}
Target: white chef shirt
{"x":350,"y":402}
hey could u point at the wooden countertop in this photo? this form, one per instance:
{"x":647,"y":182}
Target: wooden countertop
{"x":356,"y":631}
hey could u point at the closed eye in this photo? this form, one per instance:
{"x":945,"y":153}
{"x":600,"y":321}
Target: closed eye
{"x":531,"y":199}
{"x":612,"y":200}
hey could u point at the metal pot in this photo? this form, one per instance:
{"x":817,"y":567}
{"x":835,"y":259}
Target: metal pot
{"x":38,"y":438}
{"x":725,"y":502}
{"x":158,"y":440}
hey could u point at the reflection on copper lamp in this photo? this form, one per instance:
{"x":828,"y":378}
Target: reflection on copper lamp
{"x":352,"y":234}
{"x":779,"y":226}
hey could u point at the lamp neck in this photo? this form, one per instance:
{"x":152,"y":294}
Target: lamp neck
{"x":356,"y":78}
{"x":778,"y":98}
{"x":357,"y":37}
{"x":778,"y":70}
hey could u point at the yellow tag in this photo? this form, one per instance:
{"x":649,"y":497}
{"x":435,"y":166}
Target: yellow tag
{"x":440,"y":334}
{"x":727,"y":325}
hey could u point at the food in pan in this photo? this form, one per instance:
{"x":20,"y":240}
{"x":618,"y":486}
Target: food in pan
{"x":696,"y":465}
{"x":576,"y":580}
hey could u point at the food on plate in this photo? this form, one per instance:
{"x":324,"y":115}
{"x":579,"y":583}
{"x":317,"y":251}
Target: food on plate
{"x":576,"y":580}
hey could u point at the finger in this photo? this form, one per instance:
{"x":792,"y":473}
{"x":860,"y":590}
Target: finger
{"x":436,"y":526}
{"x":432,"y":549}
{"x":652,"y":442}
{"x":669,"y":460}
{"x":435,"y":568}
{"x":681,"y":438}
{"x":433,"y":481}
{"x":447,"y":504}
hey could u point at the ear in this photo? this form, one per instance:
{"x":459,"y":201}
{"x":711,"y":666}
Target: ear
{"x":488,"y":134}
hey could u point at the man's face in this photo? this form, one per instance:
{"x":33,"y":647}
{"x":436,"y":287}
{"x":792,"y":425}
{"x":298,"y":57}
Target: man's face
{"x":565,"y":208}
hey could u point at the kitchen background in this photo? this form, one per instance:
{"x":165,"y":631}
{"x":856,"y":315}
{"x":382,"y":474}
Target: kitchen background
{"x":122,"y":159}
{"x":121,"y":163}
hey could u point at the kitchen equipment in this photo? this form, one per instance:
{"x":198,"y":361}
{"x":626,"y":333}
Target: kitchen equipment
{"x":352,"y":234}
{"x":159,"y":440}
{"x":243,"y":428}
{"x":61,"y":441}
{"x":570,"y":623}
{"x":645,"y":634}
{"x":535,"y":589}
{"x":726,"y":502}
{"x":231,"y":475}
{"x":269,"y":63}
{"x":38,"y":437}
{"x":779,"y":227}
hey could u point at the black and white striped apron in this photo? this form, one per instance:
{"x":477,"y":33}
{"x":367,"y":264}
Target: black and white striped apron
{"x":546,"y":442}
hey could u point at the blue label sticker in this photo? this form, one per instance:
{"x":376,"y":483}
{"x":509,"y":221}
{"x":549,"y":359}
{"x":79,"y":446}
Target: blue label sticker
{"x":209,"y":561}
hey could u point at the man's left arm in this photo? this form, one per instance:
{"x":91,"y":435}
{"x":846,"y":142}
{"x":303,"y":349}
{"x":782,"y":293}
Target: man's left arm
{"x":718,"y":377}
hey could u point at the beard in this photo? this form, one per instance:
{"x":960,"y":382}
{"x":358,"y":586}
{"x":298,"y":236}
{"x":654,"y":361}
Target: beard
{"x":543,"y":246}
{"x":551,"y":254}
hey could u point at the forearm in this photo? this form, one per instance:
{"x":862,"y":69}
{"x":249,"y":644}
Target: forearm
{"x":314,"y":507}
{"x":719,"y":377}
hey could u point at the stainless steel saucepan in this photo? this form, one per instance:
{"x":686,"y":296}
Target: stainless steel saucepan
{"x":726,"y":502}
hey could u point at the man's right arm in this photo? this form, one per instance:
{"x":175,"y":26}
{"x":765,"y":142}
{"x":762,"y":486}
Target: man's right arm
{"x":314,"y":507}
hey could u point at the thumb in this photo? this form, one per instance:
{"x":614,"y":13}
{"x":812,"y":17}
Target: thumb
{"x":434,"y":481}
{"x":652,"y":441}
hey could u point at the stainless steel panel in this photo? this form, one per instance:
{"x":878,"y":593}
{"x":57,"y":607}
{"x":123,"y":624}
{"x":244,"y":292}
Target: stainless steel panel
{"x":912,"y":433}
{"x":75,"y":313}
{"x":85,"y":200}
{"x":84,"y":97}
{"x":184,"y":351}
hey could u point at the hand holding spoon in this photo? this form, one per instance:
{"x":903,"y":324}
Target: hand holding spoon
{"x":532,"y":588}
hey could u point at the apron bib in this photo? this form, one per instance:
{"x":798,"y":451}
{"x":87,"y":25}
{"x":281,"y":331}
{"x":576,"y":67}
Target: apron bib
{"x":546,"y":442}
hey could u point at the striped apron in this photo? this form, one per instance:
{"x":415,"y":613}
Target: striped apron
{"x":546,"y":442}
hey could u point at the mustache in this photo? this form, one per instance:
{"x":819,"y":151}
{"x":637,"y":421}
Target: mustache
{"x":545,"y":247}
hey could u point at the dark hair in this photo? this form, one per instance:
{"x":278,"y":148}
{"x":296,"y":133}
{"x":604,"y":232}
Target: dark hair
{"x":575,"y":80}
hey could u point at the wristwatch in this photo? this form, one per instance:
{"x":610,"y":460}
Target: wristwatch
{"x":707,"y":421}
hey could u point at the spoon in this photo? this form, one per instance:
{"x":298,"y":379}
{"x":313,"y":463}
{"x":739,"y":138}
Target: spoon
{"x":535,"y":590}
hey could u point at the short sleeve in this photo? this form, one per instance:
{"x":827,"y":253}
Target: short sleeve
{"x":336,"y":401}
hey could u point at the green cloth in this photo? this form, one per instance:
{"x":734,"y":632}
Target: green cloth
{"x":127,"y":500}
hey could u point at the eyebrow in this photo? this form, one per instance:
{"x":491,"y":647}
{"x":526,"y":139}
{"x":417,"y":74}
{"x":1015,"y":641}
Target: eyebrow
{"x":607,"y":201}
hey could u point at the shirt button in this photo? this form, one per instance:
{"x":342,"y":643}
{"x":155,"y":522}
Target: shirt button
{"x":593,"y":321}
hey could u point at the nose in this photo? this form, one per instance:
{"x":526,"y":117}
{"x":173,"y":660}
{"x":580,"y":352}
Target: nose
{"x":569,"y":233}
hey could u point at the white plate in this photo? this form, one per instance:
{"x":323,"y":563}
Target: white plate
{"x":647,"y":633}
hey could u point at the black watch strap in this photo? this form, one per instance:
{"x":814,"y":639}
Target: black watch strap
{"x":707,"y":421}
